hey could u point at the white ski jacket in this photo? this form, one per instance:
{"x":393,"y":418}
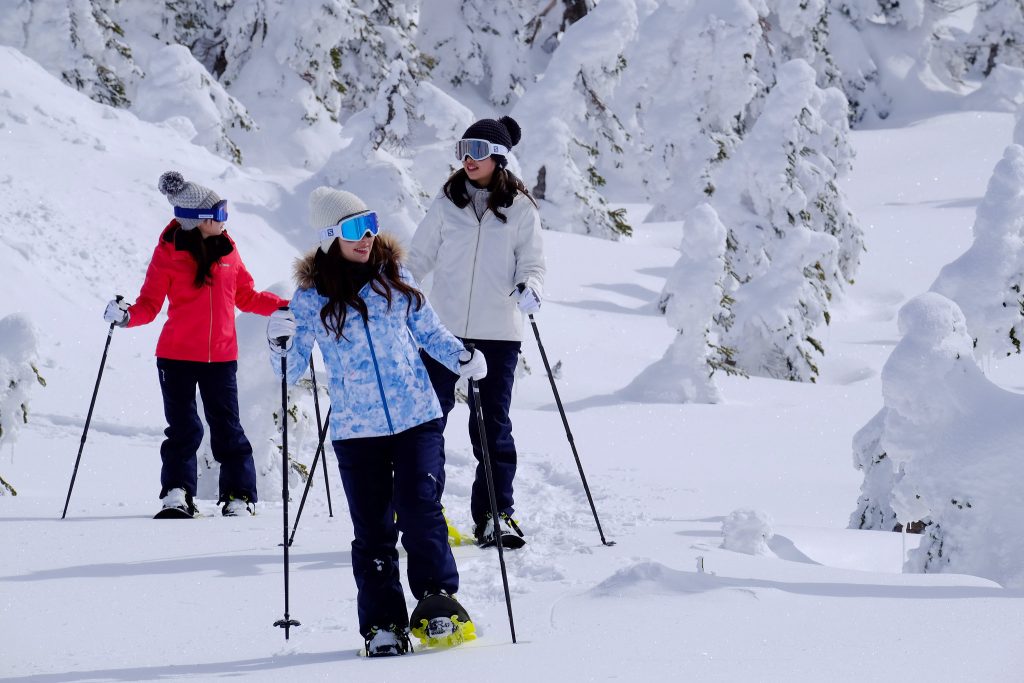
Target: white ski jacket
{"x":477,"y":265}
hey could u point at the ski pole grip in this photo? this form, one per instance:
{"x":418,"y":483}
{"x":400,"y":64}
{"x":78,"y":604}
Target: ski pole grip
{"x":281,"y":341}
{"x":521,"y":287}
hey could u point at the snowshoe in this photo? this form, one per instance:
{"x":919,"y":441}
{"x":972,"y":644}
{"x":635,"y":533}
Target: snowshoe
{"x":237,"y":507}
{"x":177,"y":505}
{"x":387,"y":642}
{"x":440,"y":621}
{"x":510,"y":533}
{"x":456,"y":537}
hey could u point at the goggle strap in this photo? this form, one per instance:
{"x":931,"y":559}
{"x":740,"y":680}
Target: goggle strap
{"x":220,"y":208}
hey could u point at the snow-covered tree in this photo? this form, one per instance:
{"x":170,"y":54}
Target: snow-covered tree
{"x":986,"y":281}
{"x":19,"y":374}
{"x":875,"y":79}
{"x":77,"y":40}
{"x":695,"y":303}
{"x":874,"y":505}
{"x":1018,"y":130}
{"x":178,"y":85}
{"x":688,"y":108}
{"x":946,"y":450}
{"x":479,"y":43}
{"x":547,"y":27}
{"x":799,"y":29}
{"x":793,"y":242}
{"x":567,"y":122}
{"x":379,"y":164}
{"x":997,"y":36}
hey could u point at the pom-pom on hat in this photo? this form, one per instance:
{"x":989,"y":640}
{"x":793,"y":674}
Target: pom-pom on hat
{"x":504,"y":131}
{"x":186,"y":195}
{"x":328,"y":206}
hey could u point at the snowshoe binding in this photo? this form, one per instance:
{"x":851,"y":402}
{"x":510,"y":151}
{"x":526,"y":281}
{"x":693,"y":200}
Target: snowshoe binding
{"x":177,"y":505}
{"x":237,"y":507}
{"x":509,"y":532}
{"x":440,"y":621}
{"x":387,"y":642}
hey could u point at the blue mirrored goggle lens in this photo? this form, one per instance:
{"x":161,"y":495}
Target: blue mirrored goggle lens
{"x":356,"y":228}
{"x":477,"y":150}
{"x":218,"y":212}
{"x":352,"y":229}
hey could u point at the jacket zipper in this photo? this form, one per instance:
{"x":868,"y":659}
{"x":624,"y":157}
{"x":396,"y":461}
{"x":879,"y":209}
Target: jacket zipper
{"x":209,"y":348}
{"x":472,"y":274}
{"x":380,"y":382}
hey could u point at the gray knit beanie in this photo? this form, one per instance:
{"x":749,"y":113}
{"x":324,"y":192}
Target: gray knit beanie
{"x":186,"y":195}
{"x":328,"y":206}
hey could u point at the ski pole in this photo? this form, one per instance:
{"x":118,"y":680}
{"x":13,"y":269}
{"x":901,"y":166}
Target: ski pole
{"x":287,"y":622}
{"x":495,"y":518}
{"x":312,"y":471}
{"x":565,"y":423}
{"x":319,"y":428}
{"x":88,"y":417}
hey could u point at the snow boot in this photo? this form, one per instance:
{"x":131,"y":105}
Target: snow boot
{"x":440,"y":621}
{"x":510,"y":533}
{"x":387,"y":642}
{"x":237,"y":507}
{"x":176,"y":505}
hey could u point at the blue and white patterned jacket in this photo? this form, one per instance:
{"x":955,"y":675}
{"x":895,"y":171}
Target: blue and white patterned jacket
{"x":377,"y":382}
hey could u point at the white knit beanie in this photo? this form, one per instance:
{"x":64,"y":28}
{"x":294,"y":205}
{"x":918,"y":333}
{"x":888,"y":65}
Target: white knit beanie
{"x":328,"y":206}
{"x":186,"y":195}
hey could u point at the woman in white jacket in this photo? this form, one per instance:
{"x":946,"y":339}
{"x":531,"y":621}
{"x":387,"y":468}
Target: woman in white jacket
{"x":481,"y":240}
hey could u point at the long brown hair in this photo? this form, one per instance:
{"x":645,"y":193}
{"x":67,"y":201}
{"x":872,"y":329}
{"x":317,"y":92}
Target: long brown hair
{"x":340,"y":280}
{"x":503,"y":188}
{"x":205,"y":251}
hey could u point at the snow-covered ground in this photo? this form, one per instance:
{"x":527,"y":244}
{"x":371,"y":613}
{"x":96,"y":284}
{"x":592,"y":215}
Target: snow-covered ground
{"x":110,"y":595}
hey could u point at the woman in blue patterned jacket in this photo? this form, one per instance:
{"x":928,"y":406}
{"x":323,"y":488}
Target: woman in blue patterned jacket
{"x":365,"y":312}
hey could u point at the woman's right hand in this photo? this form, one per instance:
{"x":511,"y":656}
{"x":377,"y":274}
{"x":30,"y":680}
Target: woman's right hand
{"x":117,"y":312}
{"x":281,"y":330}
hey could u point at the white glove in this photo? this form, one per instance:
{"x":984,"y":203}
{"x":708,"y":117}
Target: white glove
{"x":529,"y":300}
{"x":280,"y":330}
{"x":472,"y":365}
{"x":117,"y":312}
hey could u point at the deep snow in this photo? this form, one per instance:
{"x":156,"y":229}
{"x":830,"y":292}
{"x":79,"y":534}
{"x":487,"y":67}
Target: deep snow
{"x":110,"y":595}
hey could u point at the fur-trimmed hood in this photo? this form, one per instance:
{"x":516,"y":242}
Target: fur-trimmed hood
{"x":304,"y":267}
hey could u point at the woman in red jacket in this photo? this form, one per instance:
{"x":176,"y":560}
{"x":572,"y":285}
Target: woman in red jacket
{"x":197,"y":268}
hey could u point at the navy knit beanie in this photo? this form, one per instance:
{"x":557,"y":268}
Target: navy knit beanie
{"x":504,"y":131}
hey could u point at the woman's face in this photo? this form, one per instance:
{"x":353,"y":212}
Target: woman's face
{"x":210,"y":227}
{"x":480,"y":172}
{"x":357,"y":252}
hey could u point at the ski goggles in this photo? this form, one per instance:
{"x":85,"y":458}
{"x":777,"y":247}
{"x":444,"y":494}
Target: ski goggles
{"x":219,"y":212}
{"x":478,"y":150}
{"x":353,"y":228}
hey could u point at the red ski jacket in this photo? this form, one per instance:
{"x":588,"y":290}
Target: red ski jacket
{"x":200,"y":320}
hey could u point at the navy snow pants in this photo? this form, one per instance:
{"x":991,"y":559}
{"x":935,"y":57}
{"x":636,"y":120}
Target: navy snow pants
{"x":393,"y":484}
{"x":219,"y":389}
{"x":495,"y":399}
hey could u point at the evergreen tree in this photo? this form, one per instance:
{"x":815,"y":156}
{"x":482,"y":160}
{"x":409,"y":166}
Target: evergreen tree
{"x":567,"y":122}
{"x":79,"y":41}
{"x":997,"y":36}
{"x":691,"y":106}
{"x":987,"y":280}
{"x":479,"y":43}
{"x":695,"y":303}
{"x":794,"y":243}
{"x":19,"y":374}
